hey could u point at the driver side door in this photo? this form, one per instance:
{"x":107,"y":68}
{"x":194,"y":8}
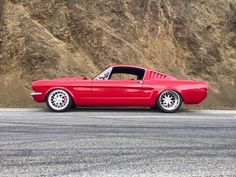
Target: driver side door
{"x":119,"y":92}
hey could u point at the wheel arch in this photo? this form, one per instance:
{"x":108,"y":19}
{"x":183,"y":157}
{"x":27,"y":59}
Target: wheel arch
{"x":62,"y":88}
{"x":172,"y":89}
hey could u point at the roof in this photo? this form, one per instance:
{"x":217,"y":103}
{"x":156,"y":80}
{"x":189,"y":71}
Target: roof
{"x":155,"y":73}
{"x":127,"y":65}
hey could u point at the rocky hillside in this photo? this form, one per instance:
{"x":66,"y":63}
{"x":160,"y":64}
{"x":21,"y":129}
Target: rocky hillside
{"x":190,"y":39}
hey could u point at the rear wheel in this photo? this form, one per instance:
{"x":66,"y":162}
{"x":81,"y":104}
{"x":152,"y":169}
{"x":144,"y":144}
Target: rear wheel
{"x":59,"y":100}
{"x":169,"y":101}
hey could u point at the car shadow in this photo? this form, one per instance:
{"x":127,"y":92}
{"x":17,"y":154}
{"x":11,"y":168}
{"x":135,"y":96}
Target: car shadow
{"x":111,"y":109}
{"x":116,"y":109}
{"x":120,"y":109}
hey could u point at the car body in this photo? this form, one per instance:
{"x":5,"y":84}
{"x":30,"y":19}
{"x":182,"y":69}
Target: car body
{"x":121,"y":85}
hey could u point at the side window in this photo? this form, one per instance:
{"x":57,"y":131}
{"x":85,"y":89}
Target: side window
{"x":126,"y":73}
{"x":123,"y":76}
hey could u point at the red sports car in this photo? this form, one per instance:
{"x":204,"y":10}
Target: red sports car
{"x":120,"y":85}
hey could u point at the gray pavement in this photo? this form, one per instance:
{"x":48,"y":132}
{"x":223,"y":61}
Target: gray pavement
{"x":117,"y":142}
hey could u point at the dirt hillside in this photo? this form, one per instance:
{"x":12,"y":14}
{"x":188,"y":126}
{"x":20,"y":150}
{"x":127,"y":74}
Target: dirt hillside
{"x":188,"y":39}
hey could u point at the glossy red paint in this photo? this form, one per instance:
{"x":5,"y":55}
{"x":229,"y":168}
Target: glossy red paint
{"x":94,"y":92}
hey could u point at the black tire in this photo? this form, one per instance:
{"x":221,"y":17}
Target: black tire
{"x":65,"y":106}
{"x":176,"y":104}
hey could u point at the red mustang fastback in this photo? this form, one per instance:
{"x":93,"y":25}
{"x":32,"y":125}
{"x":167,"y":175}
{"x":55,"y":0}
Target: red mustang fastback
{"x":120,"y":85}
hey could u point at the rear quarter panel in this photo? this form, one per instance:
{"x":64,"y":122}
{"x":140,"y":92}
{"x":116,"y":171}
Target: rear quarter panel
{"x":192,"y":92}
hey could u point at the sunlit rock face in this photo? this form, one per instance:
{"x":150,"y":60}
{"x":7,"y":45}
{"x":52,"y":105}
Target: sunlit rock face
{"x":46,"y":39}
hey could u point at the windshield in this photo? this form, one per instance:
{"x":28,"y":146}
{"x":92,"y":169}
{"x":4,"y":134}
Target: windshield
{"x":104,"y":75}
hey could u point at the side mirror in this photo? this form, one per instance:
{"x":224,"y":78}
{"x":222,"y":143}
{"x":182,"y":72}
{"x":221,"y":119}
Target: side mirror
{"x":102,"y":77}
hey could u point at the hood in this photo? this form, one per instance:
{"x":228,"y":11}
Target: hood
{"x":57,"y":81}
{"x":70,"y":79}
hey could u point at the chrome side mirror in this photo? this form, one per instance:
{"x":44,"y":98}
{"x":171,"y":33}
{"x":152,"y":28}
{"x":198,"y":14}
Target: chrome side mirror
{"x":102,"y":77}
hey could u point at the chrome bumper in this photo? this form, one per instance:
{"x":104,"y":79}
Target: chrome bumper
{"x":36,"y":94}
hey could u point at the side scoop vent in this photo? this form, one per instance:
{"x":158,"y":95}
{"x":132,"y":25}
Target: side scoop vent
{"x":156,"y":75}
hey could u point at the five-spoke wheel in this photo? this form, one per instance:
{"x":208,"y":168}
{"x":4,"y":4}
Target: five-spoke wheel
{"x":59,"y":100}
{"x":169,"y":101}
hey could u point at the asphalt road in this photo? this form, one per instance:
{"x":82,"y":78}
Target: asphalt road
{"x":134,"y":142}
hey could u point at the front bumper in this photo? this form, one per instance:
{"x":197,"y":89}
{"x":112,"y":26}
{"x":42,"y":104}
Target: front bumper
{"x":36,"y":94}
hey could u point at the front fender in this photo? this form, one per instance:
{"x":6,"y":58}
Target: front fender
{"x":62,"y":88}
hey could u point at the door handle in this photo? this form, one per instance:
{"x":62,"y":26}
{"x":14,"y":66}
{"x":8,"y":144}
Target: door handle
{"x":140,"y":82}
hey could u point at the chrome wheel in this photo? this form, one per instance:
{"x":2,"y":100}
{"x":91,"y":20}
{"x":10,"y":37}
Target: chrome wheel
{"x":58,"y":100}
{"x":169,"y":101}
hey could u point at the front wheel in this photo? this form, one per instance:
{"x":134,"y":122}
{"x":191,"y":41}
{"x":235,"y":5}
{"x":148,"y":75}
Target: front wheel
{"x":169,"y":101}
{"x":59,"y":101}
